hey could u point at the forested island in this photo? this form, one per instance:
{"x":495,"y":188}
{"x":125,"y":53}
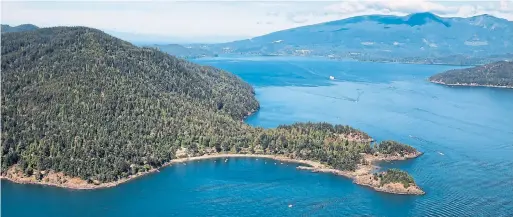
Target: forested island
{"x":82,"y":109}
{"x":497,"y":74}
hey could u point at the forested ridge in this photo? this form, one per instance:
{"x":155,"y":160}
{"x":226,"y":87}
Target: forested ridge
{"x":79,"y":101}
{"x":493,"y":74}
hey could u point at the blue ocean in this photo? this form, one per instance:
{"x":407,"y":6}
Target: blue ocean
{"x":466,"y":134}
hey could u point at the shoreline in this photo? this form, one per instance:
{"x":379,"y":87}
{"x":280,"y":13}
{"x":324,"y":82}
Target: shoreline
{"x":80,"y":184}
{"x":469,"y":85}
{"x":360,"y":176}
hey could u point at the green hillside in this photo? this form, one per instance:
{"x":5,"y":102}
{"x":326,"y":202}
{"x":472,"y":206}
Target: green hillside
{"x":77,"y":100}
{"x":497,"y":74}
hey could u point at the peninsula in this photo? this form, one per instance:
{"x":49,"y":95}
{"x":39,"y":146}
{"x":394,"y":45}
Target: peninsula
{"x":363,"y":175}
{"x":82,"y":109}
{"x":497,"y":74}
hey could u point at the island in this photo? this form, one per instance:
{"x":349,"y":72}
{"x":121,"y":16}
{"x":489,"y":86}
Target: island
{"x":85,"y":110}
{"x":497,"y":74}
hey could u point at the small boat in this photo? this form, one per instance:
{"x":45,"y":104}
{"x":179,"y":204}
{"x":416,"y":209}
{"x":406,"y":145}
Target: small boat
{"x":332,"y":78}
{"x":440,"y":153}
{"x":225,"y":160}
{"x":290,"y":205}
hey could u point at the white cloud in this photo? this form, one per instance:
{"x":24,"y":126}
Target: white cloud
{"x":396,"y":6}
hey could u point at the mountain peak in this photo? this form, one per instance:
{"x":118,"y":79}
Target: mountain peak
{"x":417,"y":19}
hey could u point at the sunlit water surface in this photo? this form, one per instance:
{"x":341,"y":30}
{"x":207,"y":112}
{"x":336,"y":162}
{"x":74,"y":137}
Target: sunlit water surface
{"x":465,"y":133}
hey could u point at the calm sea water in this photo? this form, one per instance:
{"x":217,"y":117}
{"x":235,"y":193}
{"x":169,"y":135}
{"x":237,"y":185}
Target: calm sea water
{"x":466,"y":134}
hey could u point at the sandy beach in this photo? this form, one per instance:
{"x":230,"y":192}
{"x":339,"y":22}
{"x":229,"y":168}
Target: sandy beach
{"x":359,"y":176}
{"x":61,"y":180}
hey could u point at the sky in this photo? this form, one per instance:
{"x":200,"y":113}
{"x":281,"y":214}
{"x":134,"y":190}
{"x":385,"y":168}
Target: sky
{"x":223,"y":20}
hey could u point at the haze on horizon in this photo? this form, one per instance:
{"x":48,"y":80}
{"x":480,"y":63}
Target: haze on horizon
{"x":220,"y":21}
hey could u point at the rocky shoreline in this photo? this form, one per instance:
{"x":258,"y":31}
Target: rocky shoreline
{"x":468,"y":84}
{"x":360,"y":176}
{"x":363,"y":175}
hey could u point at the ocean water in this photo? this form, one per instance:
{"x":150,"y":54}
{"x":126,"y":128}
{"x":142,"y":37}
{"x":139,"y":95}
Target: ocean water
{"x":466,"y":135}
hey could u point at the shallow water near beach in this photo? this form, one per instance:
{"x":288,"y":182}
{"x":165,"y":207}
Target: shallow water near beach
{"x":466,"y":134}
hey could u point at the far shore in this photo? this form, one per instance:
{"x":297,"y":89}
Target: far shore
{"x":469,"y":85}
{"x":359,"y":176}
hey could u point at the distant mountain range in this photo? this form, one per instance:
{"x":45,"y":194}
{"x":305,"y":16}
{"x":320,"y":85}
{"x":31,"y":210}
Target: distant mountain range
{"x":497,"y":74}
{"x":415,"y":38}
{"x":183,"y":51}
{"x":20,"y":28}
{"x":142,"y":39}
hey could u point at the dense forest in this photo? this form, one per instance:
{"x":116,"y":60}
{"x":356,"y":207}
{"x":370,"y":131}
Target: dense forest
{"x":394,"y":176}
{"x":493,"y":74}
{"x":391,"y":147}
{"x":77,"y":100}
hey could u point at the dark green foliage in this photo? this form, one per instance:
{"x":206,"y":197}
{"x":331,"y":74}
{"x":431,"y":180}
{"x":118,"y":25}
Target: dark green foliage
{"x":79,"y":101}
{"x":493,"y":74}
{"x":315,"y":141}
{"x":395,"y":176}
{"x":391,"y":147}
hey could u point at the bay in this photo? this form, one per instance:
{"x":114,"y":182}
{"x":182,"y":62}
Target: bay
{"x":466,"y":134}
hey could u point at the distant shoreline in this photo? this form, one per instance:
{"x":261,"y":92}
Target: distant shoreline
{"x":469,"y":84}
{"x":349,"y":59}
{"x":360,"y":176}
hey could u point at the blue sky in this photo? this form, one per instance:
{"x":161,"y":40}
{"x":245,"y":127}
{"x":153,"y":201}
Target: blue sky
{"x":225,"y":20}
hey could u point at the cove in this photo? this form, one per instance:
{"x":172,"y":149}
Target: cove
{"x":465,"y":133}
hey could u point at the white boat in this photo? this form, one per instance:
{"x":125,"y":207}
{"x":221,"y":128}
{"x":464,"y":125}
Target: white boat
{"x":332,"y":78}
{"x":440,"y":153}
